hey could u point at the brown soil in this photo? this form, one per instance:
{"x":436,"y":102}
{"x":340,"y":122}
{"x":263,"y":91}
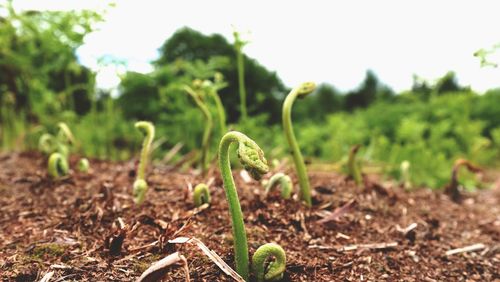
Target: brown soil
{"x":67,"y":226}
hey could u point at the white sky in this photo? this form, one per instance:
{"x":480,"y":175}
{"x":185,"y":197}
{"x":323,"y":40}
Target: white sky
{"x":322,"y":41}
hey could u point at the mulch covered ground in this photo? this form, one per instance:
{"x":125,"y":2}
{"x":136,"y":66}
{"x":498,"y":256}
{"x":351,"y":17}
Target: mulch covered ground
{"x":73,"y":227}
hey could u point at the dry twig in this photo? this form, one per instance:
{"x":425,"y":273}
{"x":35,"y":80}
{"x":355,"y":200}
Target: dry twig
{"x":470,"y":248}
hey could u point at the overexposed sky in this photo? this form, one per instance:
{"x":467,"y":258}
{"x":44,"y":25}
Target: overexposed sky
{"x":322,"y":41}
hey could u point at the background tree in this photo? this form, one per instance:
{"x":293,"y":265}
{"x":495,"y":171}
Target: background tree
{"x":265,"y":90}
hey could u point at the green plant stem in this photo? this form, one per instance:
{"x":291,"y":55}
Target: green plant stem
{"x":352,"y":166}
{"x":148,"y":129}
{"x":205,"y":142}
{"x":300,"y":91}
{"x":252,"y":158}
{"x":241,"y":84}
{"x":220,"y":111}
{"x":275,"y":268}
{"x":238,"y":46}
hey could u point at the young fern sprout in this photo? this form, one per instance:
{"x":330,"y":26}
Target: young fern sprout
{"x":299,"y":91}
{"x":83,"y":165}
{"x":253,"y":160}
{"x":275,"y":269}
{"x":57,"y":165}
{"x":46,"y":143}
{"x":65,"y":132}
{"x":201,"y":195}
{"x":353,"y":168}
{"x":49,"y":144}
{"x":283,"y":180}
{"x":452,"y":188}
{"x":140,"y":185}
{"x":205,"y":143}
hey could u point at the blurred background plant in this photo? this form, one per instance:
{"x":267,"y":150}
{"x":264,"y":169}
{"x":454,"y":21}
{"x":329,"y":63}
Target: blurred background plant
{"x":43,"y":83}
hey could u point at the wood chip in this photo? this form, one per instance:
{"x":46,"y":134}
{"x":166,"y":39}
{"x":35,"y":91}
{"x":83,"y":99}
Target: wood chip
{"x":158,"y":269}
{"x":211,"y":255}
{"x":470,"y":248}
{"x":245,"y":176}
{"x":407,"y":229}
{"x":47,"y":276}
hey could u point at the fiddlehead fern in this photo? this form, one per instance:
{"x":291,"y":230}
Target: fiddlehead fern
{"x":201,"y":195}
{"x":353,"y":167}
{"x":275,"y":269}
{"x":65,"y":132}
{"x":283,"y":180}
{"x":49,"y":144}
{"x":57,"y":165}
{"x":83,"y":165}
{"x":140,"y":185}
{"x":252,"y":158}
{"x":205,"y":143}
{"x":46,"y":143}
{"x":300,"y":91}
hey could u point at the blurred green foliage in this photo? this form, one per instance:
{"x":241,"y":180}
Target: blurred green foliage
{"x":42,"y":83}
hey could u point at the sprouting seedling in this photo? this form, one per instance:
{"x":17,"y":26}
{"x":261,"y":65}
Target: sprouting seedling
{"x":57,"y":165}
{"x":46,"y":143}
{"x":238,"y":47}
{"x":452,"y":188}
{"x":253,"y":160}
{"x":83,"y":165}
{"x":65,"y":132}
{"x":353,"y":168}
{"x":205,"y":143}
{"x":275,"y":269}
{"x":201,"y":195}
{"x":140,"y":185}
{"x":405,"y":174}
{"x":283,"y":180}
{"x":299,"y":91}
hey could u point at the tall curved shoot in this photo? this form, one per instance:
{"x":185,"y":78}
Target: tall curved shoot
{"x":300,"y":91}
{"x":207,"y":132}
{"x":252,"y":158}
{"x":213,"y":92}
{"x":140,"y":185}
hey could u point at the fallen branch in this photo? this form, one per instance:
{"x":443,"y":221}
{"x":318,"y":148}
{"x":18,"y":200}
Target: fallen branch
{"x":470,"y":248}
